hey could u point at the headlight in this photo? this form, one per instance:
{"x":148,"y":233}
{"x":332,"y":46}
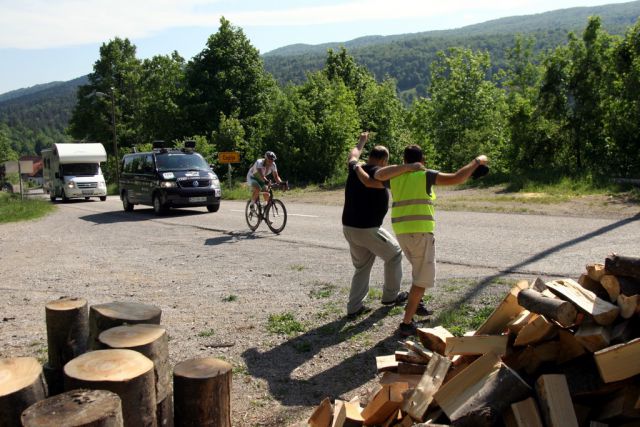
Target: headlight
{"x":101,"y":184}
{"x":71,"y":184}
{"x":168,"y":184}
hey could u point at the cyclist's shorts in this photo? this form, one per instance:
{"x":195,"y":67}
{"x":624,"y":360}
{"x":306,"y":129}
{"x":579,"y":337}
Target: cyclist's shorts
{"x":253,"y":182}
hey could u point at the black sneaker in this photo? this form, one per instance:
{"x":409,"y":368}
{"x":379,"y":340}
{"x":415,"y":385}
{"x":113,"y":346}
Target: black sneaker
{"x":422,"y":310}
{"x":408,"y":329}
{"x":401,"y":298}
{"x":362,"y":310}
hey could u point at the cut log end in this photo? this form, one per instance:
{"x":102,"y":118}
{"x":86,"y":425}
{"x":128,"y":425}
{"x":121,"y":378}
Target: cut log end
{"x":130,"y":311}
{"x":17,"y":373}
{"x":108,"y":365}
{"x":129,"y":336}
{"x":65,"y":304}
{"x":202,"y":368}
{"x":76,"y":408}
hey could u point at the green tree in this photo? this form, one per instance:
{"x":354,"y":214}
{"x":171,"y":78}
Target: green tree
{"x":226,"y":77}
{"x":467,"y":110}
{"x":115,"y":74}
{"x":6,"y":152}
{"x":162,"y":85}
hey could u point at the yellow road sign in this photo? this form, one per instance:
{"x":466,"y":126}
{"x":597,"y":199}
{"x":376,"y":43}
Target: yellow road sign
{"x":229,"y":157}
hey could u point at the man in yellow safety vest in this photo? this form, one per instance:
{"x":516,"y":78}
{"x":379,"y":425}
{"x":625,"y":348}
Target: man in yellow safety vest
{"x":413,"y":221}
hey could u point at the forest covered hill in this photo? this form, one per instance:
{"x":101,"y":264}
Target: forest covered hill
{"x":36,"y":117}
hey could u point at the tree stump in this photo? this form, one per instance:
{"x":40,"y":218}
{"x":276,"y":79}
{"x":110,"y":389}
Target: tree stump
{"x":202,"y":393}
{"x":21,"y":385}
{"x":127,"y":373}
{"x":151,"y":341}
{"x":110,"y":315}
{"x":67,"y":332}
{"x":76,"y":408}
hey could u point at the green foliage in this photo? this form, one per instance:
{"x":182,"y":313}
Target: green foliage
{"x":284,"y":324}
{"x":13,"y":209}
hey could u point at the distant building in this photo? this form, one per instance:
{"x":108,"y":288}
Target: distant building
{"x":36,"y":176}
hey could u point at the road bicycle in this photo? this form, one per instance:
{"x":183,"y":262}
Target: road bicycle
{"x":274,"y":213}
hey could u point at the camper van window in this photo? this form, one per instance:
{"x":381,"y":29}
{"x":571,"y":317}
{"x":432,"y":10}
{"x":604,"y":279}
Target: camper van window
{"x":181,"y":162}
{"x":79,"y":169}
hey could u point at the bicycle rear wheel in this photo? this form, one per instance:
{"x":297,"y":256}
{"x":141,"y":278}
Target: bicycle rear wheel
{"x":252,"y":216}
{"x":276,"y":216}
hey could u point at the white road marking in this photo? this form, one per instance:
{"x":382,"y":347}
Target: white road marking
{"x":290,"y":214}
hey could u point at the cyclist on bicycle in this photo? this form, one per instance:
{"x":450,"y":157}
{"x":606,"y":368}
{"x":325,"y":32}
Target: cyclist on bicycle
{"x":257,"y":176}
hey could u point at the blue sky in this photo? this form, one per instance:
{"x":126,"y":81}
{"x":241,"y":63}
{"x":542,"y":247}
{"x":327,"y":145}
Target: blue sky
{"x":57,"y":40}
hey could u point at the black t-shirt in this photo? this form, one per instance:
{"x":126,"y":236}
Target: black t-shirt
{"x":364,"y":207}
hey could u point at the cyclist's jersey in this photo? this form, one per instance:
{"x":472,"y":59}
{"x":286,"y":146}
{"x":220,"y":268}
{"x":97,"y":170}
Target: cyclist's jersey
{"x":259,"y":164}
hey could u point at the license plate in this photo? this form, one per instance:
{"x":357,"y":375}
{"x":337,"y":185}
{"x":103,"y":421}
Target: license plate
{"x":87,"y":192}
{"x":217,"y":190}
{"x":197,"y":199}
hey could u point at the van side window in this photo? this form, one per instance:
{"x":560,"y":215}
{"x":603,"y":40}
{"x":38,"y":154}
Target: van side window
{"x":127,"y":166}
{"x":147,"y":166}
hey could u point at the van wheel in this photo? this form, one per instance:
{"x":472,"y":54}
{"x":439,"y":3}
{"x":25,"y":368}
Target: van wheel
{"x":52,"y":197}
{"x":126,"y":204}
{"x":87,"y":198}
{"x":213,"y":208}
{"x":103,"y":198}
{"x":158,"y":207}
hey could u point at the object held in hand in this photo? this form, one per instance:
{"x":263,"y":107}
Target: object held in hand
{"x":480,"y":171}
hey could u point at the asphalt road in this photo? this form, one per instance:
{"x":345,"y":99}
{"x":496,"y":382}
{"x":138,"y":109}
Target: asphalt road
{"x":503,"y":243}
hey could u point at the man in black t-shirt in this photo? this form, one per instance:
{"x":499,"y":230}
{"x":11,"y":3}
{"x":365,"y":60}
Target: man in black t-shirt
{"x":366,"y":203}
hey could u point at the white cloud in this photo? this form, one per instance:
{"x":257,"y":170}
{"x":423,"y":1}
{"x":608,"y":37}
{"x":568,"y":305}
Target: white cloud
{"x":30,"y":24}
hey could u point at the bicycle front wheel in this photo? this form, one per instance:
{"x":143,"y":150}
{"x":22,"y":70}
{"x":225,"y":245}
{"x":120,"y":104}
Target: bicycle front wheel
{"x":276,"y":216}
{"x":252,"y":216}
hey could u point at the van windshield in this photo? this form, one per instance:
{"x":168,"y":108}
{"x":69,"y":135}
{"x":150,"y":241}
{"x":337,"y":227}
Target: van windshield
{"x":80,"y":169}
{"x":181,"y":161}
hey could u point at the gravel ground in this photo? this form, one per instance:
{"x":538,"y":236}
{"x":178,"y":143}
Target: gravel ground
{"x":217,"y":292}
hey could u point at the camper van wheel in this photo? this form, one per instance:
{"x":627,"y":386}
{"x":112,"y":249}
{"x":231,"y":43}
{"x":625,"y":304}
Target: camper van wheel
{"x":87,"y":198}
{"x":103,"y":198}
{"x":158,"y":207}
{"x":52,"y":196}
{"x":126,"y":204}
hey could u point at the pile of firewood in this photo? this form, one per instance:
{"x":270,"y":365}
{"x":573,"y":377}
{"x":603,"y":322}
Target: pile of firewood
{"x":561,"y":353}
{"x":110,"y":367}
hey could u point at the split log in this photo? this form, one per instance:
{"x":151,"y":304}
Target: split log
{"x":625,"y":331}
{"x":534,"y":356}
{"x":21,"y":385}
{"x":486,"y":383}
{"x":603,"y":312}
{"x":520,"y":321}
{"x":434,"y":339}
{"x":394,"y":377}
{"x":555,"y":401}
{"x":476,"y":344}
{"x":584,"y":381}
{"x":321,"y":417}
{"x":409,"y":356}
{"x":593,"y":337}
{"x":151,"y":341}
{"x":537,"y":330}
{"x":417,"y":403}
{"x":386,"y":363}
{"x":110,"y":315}
{"x":509,"y":308}
{"x":418,"y":349}
{"x":384,"y":403}
{"x":620,"y":265}
{"x":628,"y":305}
{"x":619,"y":362}
{"x":127,"y":373}
{"x":67,"y":322}
{"x":619,"y":407}
{"x":77,"y":408}
{"x":411,"y":368}
{"x":594,"y":286}
{"x":570,"y":347}
{"x":621,"y":285}
{"x":561,"y":311}
{"x":595,"y":271}
{"x":523,"y":414}
{"x":202,"y":392}
{"x":339,"y":414}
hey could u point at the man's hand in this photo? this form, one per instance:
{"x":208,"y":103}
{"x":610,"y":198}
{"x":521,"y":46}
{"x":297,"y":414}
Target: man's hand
{"x":364,"y":137}
{"x":482,"y":160}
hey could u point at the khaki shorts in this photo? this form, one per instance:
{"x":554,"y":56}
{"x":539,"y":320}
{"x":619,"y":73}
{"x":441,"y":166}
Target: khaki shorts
{"x":420,"y":250}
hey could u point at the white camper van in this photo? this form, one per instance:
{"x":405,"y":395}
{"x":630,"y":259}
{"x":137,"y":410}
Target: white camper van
{"x":73,"y":171}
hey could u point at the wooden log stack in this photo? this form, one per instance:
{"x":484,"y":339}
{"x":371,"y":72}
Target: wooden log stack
{"x":109,"y":367}
{"x":552,"y":354}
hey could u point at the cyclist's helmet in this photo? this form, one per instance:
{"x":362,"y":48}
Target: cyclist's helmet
{"x":270,"y":155}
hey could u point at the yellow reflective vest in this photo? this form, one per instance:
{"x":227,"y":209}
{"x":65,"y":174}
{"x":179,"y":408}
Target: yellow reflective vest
{"x":412,"y":210}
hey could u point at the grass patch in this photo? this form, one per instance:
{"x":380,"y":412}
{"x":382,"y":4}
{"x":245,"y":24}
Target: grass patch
{"x":465,"y":318}
{"x":284,"y":324}
{"x":297,"y":267}
{"x":237,"y":191}
{"x":325,"y":290}
{"x":12,"y":209}
{"x":374,"y":293}
{"x":230,"y":298}
{"x":207,"y":333}
{"x":398,"y":309}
